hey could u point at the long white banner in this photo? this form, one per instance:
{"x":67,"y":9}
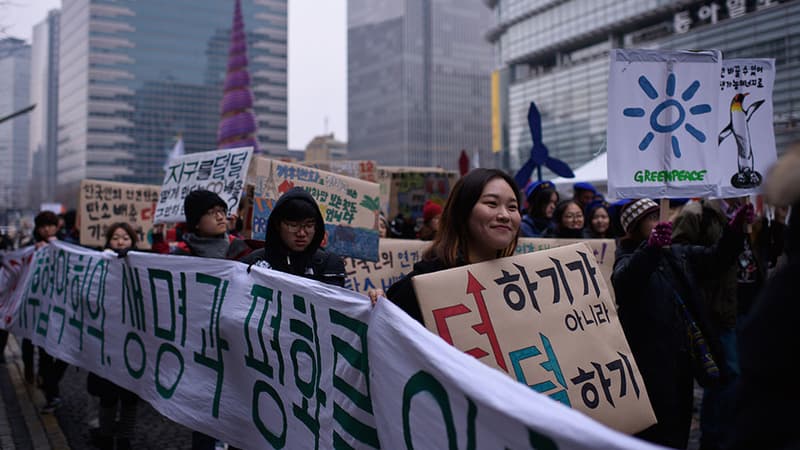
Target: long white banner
{"x":265,"y":359}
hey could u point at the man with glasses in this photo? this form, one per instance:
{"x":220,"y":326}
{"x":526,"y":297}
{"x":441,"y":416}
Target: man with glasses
{"x":207,"y":228}
{"x":295,"y":231}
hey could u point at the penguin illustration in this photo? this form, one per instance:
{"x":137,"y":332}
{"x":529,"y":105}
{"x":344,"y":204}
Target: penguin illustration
{"x":746,"y":177}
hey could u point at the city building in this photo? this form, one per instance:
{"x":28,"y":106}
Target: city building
{"x":555,"y":53}
{"x":418,"y":81}
{"x":43,"y":154}
{"x":15,"y":72}
{"x":135,"y":75}
{"x":326,"y":148}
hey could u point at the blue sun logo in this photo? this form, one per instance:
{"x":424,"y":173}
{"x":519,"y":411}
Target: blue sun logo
{"x":676,"y":113}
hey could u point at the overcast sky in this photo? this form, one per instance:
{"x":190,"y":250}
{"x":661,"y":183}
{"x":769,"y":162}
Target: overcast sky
{"x":317,"y":60}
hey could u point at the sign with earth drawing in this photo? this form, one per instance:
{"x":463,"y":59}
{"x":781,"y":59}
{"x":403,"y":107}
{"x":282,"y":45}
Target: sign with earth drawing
{"x":746,"y":134}
{"x":662,"y":123}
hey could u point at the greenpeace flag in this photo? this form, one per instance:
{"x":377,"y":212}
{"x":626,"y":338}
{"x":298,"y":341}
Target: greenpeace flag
{"x":662,"y":123}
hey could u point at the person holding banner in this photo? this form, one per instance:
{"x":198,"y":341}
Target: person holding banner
{"x":206,"y":233}
{"x":663,"y":318}
{"x":542,"y":200}
{"x":120,"y":239}
{"x":295,"y":231}
{"x":480,"y":222}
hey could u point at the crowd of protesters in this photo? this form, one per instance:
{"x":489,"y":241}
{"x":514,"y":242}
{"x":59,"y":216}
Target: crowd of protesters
{"x":706,"y":296}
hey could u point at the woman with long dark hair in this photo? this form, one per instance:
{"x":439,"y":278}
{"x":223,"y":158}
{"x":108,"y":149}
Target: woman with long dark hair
{"x":542,"y":200}
{"x":568,"y":218}
{"x":480,"y":222}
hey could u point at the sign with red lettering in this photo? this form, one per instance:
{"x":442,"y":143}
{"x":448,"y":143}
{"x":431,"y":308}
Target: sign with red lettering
{"x":547,"y":320}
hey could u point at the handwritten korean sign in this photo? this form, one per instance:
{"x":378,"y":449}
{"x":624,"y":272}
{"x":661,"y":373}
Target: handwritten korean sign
{"x":219,"y":171}
{"x":103,"y":203}
{"x":349,"y":206}
{"x":547,"y":320}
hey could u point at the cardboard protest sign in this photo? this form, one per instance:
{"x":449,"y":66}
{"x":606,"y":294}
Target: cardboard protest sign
{"x":547,"y":320}
{"x":220,"y":171}
{"x":366,"y":170}
{"x":349,"y":206}
{"x":604,"y":251}
{"x":396,"y":258}
{"x":262,"y":359}
{"x":103,"y":203}
{"x":662,"y":122}
{"x":746,"y":133}
{"x":404,"y":190}
{"x":432,"y":396}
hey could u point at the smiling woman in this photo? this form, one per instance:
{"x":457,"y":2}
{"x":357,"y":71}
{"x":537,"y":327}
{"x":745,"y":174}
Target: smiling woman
{"x":480,"y":222}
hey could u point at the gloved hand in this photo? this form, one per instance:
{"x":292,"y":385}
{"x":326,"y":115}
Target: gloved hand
{"x":661,"y":236}
{"x":744,"y":214}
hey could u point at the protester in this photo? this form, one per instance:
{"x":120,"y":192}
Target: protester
{"x":402,"y":227}
{"x":664,"y":321}
{"x":295,"y":230}
{"x":480,"y":222}
{"x":51,"y":370}
{"x":768,"y":343}
{"x":206,"y":233}
{"x":431,"y":213}
{"x":598,"y":221}
{"x":383,"y":226}
{"x":702,"y":223}
{"x":568,"y":217}
{"x":207,"y":236}
{"x":542,"y":198}
{"x":120,"y":238}
{"x":614,"y":215}
{"x":69,"y":232}
{"x":583,"y":194}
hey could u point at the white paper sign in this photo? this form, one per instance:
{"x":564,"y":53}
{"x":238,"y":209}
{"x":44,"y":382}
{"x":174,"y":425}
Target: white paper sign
{"x":662,"y":122}
{"x":746,"y":134}
{"x":220,"y":171}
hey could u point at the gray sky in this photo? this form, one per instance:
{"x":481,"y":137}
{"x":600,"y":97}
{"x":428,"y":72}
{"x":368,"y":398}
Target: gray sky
{"x":317,"y":60}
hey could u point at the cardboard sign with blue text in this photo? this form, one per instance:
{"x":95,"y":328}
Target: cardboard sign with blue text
{"x":662,"y":123}
{"x":396,"y":259}
{"x":103,"y":203}
{"x":547,"y":320}
{"x":220,"y":171}
{"x":746,"y":133}
{"x":349,"y":206}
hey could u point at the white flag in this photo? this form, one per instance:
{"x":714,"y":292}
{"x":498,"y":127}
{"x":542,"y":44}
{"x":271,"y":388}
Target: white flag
{"x":176,"y":152}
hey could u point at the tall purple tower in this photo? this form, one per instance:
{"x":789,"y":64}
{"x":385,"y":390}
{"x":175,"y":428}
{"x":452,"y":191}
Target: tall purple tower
{"x":238,"y":125}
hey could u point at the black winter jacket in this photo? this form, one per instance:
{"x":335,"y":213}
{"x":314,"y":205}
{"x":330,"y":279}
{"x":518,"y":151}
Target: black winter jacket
{"x":314,"y":262}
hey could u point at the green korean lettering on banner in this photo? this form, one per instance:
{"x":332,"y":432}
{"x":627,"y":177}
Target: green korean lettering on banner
{"x":211,"y":338}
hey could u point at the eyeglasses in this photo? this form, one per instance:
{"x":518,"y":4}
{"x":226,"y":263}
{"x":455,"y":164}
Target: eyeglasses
{"x":573,"y":216}
{"x":217,"y":211}
{"x":294,"y":227}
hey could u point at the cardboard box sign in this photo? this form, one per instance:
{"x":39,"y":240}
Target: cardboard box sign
{"x":547,"y":320}
{"x":349,"y":206}
{"x":102,"y":203}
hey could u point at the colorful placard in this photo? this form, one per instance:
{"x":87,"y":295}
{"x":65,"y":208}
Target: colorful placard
{"x":349,"y":206}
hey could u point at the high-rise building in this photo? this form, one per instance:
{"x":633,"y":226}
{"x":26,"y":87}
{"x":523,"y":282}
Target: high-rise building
{"x":43,"y":155}
{"x":555,"y":53}
{"x":15,"y":71}
{"x":134,"y":75}
{"x":418,"y":81}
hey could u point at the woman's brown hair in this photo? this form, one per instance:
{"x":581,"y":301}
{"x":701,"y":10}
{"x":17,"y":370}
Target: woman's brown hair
{"x":125,"y":226}
{"x":452,"y":239}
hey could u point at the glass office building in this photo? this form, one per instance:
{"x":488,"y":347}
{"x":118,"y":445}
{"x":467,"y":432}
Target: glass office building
{"x":15,"y":72}
{"x":418,"y":81}
{"x":555,"y":53}
{"x":136,"y":74}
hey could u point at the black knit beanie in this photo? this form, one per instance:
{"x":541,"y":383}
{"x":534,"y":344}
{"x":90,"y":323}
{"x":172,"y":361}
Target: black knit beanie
{"x":198,"y":203}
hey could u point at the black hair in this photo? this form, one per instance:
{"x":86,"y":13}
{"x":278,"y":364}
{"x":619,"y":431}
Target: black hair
{"x":297,"y":209}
